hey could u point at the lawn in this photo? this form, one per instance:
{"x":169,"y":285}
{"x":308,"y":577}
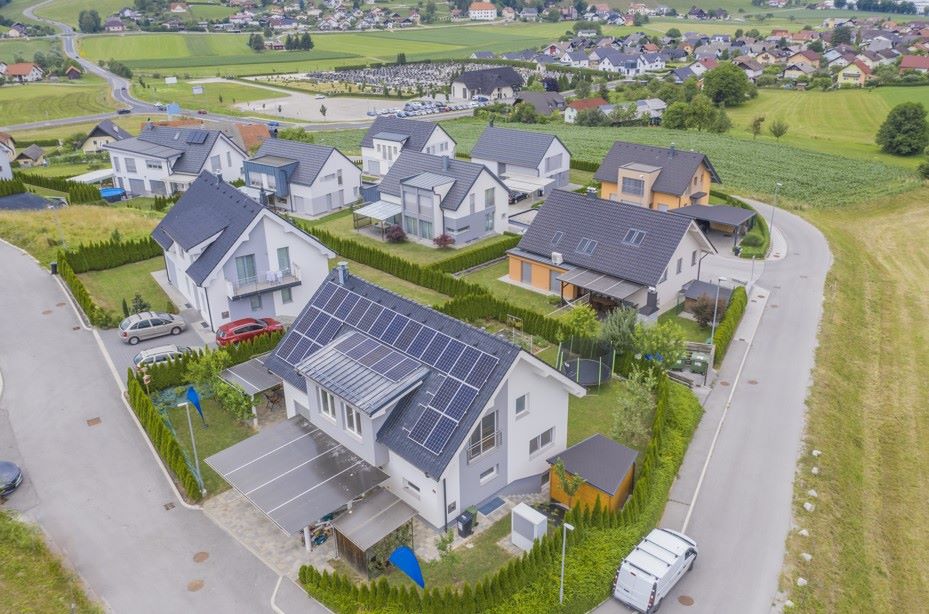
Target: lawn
{"x":692,"y":331}
{"x":421,"y":295}
{"x":44,"y":101}
{"x":110,"y":287}
{"x":32,"y":578}
{"x":10,"y":48}
{"x":221,"y":431}
{"x":216,"y":97}
{"x":40,"y":232}
{"x":747,"y":168}
{"x":67,"y":11}
{"x":66,"y":170}
{"x":489,"y":277}
{"x":869,"y":535}
{"x":593,"y":414}
{"x":14,"y":10}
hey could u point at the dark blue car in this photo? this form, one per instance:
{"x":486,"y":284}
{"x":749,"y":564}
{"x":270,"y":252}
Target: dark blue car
{"x":11,"y":476}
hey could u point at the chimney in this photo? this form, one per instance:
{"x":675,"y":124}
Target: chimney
{"x":445,"y":163}
{"x":591,"y":192}
{"x":673,"y":149}
{"x":342,"y":270}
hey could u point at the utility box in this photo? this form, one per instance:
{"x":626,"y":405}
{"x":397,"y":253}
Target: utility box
{"x":465,"y":524}
{"x":528,"y":526}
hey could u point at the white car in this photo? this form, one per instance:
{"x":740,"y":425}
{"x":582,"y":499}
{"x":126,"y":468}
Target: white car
{"x":157,"y":355}
{"x":651,"y":570}
{"x":319,"y":97}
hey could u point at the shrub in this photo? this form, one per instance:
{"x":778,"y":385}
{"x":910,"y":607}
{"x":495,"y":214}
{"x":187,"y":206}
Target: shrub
{"x":395,"y":234}
{"x":109,"y":254}
{"x":729,"y":323}
{"x":444,"y":241}
{"x":9,"y":187}
{"x":491,"y":250}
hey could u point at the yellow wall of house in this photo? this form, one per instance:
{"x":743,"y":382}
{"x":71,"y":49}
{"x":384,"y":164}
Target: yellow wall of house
{"x":587,"y":494}
{"x":540,"y":274}
{"x":609,"y":190}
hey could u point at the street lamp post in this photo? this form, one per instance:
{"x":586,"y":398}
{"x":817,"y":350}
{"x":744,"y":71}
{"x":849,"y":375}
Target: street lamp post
{"x":564,"y":540}
{"x":716,"y":305}
{"x":777,"y":188}
{"x":193,"y":443}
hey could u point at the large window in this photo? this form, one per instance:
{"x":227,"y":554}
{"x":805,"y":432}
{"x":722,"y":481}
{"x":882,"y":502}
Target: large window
{"x":542,"y":441}
{"x":245,"y":268}
{"x":552,"y":163}
{"x":153,"y":164}
{"x":553,"y":283}
{"x":130,"y":165}
{"x":216,"y":163}
{"x":484,"y":437}
{"x":287,"y":295}
{"x":425,"y":229}
{"x":352,"y":420}
{"x":489,"y":197}
{"x":326,"y":404}
{"x":489,"y":219}
{"x":525,"y":272}
{"x":522,"y":404}
{"x":283,"y":259}
{"x":635,"y":187}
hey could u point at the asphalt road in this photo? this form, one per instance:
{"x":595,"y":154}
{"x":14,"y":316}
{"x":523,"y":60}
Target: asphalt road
{"x":743,"y":513}
{"x":96,"y":489}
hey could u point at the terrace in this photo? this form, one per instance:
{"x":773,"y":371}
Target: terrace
{"x":265,"y":281}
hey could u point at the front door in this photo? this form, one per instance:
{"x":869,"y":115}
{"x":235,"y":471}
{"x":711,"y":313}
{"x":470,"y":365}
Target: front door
{"x":245,"y":269}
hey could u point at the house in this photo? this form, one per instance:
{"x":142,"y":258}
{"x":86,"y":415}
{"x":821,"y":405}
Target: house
{"x":483,"y":55}
{"x":614,"y":253}
{"x":8,"y":144}
{"x":304,"y":179}
{"x":233,"y":258}
{"x":576,"y":106}
{"x":101,"y":134}
{"x":626,"y":64}
{"x":607,"y":468}
{"x":438,"y":195}
{"x":24,"y":72}
{"x":31,"y":156}
{"x":544,"y":103}
{"x":795,"y":71}
{"x":749,"y":66}
{"x":508,"y":13}
{"x":530,"y":162}
{"x":114,"y":24}
{"x":529,"y":13}
{"x":494,"y":83}
{"x":178,"y":7}
{"x":3,"y":66}
{"x":163,"y":160}
{"x":18,"y":30}
{"x":575,"y":59}
{"x":389,"y":136}
{"x":6,"y":171}
{"x":655,"y":177}
{"x":650,"y":109}
{"x":807,"y":57}
{"x":918,"y":63}
{"x":72,"y":72}
{"x":855,"y":74}
{"x":482,"y":11}
{"x":451,"y":415}
{"x":681,"y":75}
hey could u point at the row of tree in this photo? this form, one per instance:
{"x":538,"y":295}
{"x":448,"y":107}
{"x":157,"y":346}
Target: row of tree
{"x":298,"y":42}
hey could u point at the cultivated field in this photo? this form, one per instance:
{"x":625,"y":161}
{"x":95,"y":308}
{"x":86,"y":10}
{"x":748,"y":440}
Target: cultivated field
{"x":67,"y":11}
{"x":43,"y":101}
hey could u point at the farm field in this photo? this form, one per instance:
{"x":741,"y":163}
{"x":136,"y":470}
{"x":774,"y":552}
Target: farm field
{"x":133,"y":124}
{"x":842,"y":122}
{"x":182,"y":93}
{"x":12,"y":48}
{"x":67,"y":11}
{"x":43,"y":101}
{"x":14,"y":10}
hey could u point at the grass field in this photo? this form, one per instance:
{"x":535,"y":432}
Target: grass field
{"x":489,"y":277}
{"x":67,"y":11}
{"x":66,"y":170}
{"x":111,"y":286}
{"x":32,"y":578}
{"x":14,"y":10}
{"x":182,"y":93}
{"x":39,"y":232}
{"x":13,"y":47}
{"x":867,"y":414}
{"x":43,"y":101}
{"x":843,"y":122}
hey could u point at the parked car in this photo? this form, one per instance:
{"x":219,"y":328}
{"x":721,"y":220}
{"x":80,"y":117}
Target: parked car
{"x":148,"y":325}
{"x":651,"y":570}
{"x":515,"y":197}
{"x":246,"y":328}
{"x":11,"y":476}
{"x":162,"y":353}
{"x":201,"y":111}
{"x":123,"y":111}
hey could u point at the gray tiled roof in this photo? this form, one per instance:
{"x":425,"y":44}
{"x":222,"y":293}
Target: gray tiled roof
{"x":418,"y":132}
{"x":158,"y":140}
{"x":677,"y":167}
{"x":33,"y":152}
{"x":581,"y":217}
{"x":310,"y":158}
{"x":108,"y":128}
{"x":519,"y":147}
{"x":409,"y":164}
{"x":394,"y":432}
{"x":722,"y":214}
{"x":487,"y":80}
{"x":602,"y":462}
{"x":543,"y":102}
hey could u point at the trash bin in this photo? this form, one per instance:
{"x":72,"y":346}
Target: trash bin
{"x":465,"y":524}
{"x":54,"y":268}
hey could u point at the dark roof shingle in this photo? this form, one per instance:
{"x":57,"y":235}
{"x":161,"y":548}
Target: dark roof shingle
{"x":487,"y":80}
{"x":677,"y":167}
{"x":519,"y":147}
{"x":418,"y":132}
{"x":602,"y":462}
{"x":310,"y":158}
{"x":409,"y":164}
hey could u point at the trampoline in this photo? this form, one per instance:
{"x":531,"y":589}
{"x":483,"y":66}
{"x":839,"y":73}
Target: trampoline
{"x":587,"y":372}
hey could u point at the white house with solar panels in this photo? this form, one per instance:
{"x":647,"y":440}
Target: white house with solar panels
{"x":390,"y":397}
{"x":164,"y":160}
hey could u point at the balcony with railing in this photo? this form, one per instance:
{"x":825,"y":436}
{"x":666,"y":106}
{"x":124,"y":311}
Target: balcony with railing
{"x":265,"y":281}
{"x":489,"y":442}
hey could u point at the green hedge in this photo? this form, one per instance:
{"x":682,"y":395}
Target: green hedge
{"x":78,"y":193}
{"x":474,"y":307}
{"x":81,"y":193}
{"x":584,"y":165}
{"x":529,"y":583}
{"x":8,"y":187}
{"x":760,"y":241}
{"x":162,"y":437}
{"x":97,"y":315}
{"x":491,"y":250}
{"x":110,"y":254}
{"x":730,"y":322}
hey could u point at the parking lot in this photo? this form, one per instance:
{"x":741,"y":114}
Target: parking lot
{"x":194,"y":336}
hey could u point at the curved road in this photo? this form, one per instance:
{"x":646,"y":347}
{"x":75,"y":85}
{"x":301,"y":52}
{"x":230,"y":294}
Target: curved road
{"x":743,"y":513}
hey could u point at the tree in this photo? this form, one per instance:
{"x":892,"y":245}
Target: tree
{"x":89,"y":21}
{"x":816,"y":45}
{"x":524,"y":113}
{"x":429,"y":12}
{"x":662,"y":343}
{"x":256,"y":42}
{"x":203,"y":372}
{"x":74,"y":142}
{"x":306,"y":41}
{"x":755,"y":126}
{"x":582,"y":321}
{"x":569,"y":482}
{"x":443,"y":544}
{"x":591,"y":117}
{"x":704,"y":309}
{"x":401,"y":58}
{"x":444,"y":241}
{"x":618,"y":329}
{"x":139,"y":304}
{"x":295,"y":134}
{"x":905,"y":131}
{"x":778,"y":128}
{"x":582,"y":89}
{"x":726,"y":84}
{"x":322,"y":110}
{"x":675,"y":116}
{"x":673,"y":33}
{"x":701,"y":113}
{"x":634,"y":407}
{"x":842,"y":35}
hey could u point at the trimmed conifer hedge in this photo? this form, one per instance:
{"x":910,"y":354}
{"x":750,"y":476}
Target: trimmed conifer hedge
{"x":78,"y":193}
{"x":96,"y":314}
{"x":110,"y":254}
{"x":474,"y":307}
{"x":730,"y":322}
{"x":8,"y":187}
{"x":493,"y":249}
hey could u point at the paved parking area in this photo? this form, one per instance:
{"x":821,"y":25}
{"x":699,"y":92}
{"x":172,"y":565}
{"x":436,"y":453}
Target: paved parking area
{"x":121,"y":353}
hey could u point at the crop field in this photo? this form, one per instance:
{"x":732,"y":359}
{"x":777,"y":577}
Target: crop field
{"x":67,"y":11}
{"x":842,"y":122}
{"x":41,"y":101}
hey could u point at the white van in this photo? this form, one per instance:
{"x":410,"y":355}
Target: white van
{"x":652,"y":569}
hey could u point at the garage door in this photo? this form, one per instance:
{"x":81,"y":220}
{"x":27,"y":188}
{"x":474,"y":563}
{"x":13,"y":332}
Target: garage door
{"x":136,"y":186}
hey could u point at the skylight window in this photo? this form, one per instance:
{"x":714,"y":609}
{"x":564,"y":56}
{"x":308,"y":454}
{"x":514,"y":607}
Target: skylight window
{"x":634,"y":237}
{"x":557,"y":237}
{"x":586,"y":247}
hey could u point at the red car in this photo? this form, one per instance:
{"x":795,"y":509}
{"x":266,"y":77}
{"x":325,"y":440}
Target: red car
{"x":246,"y":328}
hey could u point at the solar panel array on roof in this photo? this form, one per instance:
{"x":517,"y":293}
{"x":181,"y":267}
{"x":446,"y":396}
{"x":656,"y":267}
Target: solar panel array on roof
{"x":196,"y":137}
{"x":463,"y":368}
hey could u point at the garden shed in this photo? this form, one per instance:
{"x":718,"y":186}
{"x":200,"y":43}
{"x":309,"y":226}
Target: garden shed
{"x":607,"y":468}
{"x":695,"y":289}
{"x":371,"y":529}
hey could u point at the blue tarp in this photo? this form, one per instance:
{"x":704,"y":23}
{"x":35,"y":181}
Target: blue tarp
{"x":404,"y":560}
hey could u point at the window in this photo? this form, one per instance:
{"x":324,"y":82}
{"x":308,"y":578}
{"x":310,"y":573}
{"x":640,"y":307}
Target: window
{"x":680,"y":265}
{"x":411,"y":488}
{"x":542,"y":441}
{"x":116,"y":164}
{"x":586,"y":246}
{"x":157,"y":187}
{"x":153,"y":164}
{"x":329,"y":177}
{"x":489,"y":219}
{"x":484,"y":437}
{"x":215,"y":163}
{"x":552,"y":163}
{"x":634,"y":237}
{"x":695,"y":180}
{"x":425,"y":229}
{"x":489,"y":197}
{"x":556,"y":238}
{"x":635,"y":187}
{"x":338,"y":175}
{"x":327,"y":404}
{"x":452,"y":507}
{"x":525,"y":272}
{"x":130,"y":165}
{"x":255,"y":302}
{"x":283,"y":259}
{"x":352,"y":420}
{"x":229,"y":159}
{"x":409,"y":200}
{"x":693,"y":258}
{"x":287,"y":296}
{"x":664,"y":276}
{"x":553,"y":283}
{"x":473,"y":202}
{"x":409,"y":225}
{"x":245,"y":268}
{"x":522,"y":404}
{"x":488,"y":474}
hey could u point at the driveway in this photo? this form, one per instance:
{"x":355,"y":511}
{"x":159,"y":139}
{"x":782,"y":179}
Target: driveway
{"x":94,"y":487}
{"x":741,"y":513}
{"x":122,"y":353}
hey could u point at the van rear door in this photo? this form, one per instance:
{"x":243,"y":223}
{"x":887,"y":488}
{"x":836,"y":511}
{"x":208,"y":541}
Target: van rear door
{"x":634,"y":587}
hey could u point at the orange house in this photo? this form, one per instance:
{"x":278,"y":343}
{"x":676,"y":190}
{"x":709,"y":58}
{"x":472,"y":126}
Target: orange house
{"x":655,"y":177}
{"x":607,"y":468}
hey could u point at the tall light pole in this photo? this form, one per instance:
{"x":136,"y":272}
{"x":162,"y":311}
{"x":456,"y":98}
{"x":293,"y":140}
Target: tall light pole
{"x":564,"y":540}
{"x":716,"y":305}
{"x":777,"y":187}
{"x":193,"y":443}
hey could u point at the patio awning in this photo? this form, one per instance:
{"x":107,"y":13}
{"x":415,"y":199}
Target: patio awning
{"x":295,"y":473}
{"x":717,"y":214}
{"x":94,"y":176}
{"x":372,"y":519}
{"x":527,"y":184}
{"x":613,"y":287}
{"x":251,"y":376}
{"x":380,"y":211}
